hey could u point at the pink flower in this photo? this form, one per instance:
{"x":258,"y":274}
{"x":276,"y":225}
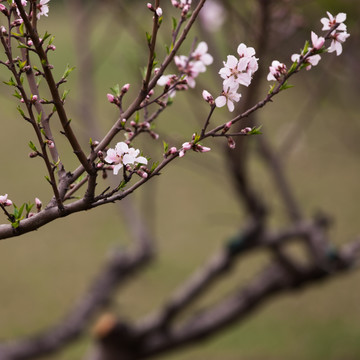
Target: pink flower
{"x":212,"y":15}
{"x":123,"y":155}
{"x":234,"y":72}
{"x":328,"y":23}
{"x":338,"y":38}
{"x":318,"y":42}
{"x":310,"y":61}
{"x":43,"y":8}
{"x":229,"y":96}
{"x":276,"y":70}
{"x":201,"y":54}
{"x":5,"y":201}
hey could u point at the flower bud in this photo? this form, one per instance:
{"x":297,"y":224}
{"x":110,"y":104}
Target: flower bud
{"x":111,"y":98}
{"x":231,"y":143}
{"x":159,"y":12}
{"x":38,"y":204}
{"x":202,"y":149}
{"x":154,"y":135}
{"x":125,"y":88}
{"x":100,"y":155}
{"x":208,"y":97}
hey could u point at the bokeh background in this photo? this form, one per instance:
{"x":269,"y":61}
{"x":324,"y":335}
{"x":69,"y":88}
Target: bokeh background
{"x":191,"y":208}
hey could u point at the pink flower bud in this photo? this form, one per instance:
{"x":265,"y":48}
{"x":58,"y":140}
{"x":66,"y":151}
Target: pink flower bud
{"x":2,"y":7}
{"x":154,"y":135}
{"x":51,"y":144}
{"x":125,"y":88}
{"x":227,"y":127}
{"x":34,"y":98}
{"x":30,"y":43}
{"x":132,"y":123}
{"x":208,"y":97}
{"x":149,"y":6}
{"x":173,"y":150}
{"x":202,"y":148}
{"x":123,"y":121}
{"x":3,"y":30}
{"x":99,"y":165}
{"x":181,"y":153}
{"x":38,"y":204}
{"x":52,"y":47}
{"x":186,"y":146}
{"x":231,"y":143}
{"x":159,"y":11}
{"x":317,"y":41}
{"x":111,"y":98}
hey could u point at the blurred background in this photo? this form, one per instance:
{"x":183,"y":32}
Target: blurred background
{"x":191,"y":209}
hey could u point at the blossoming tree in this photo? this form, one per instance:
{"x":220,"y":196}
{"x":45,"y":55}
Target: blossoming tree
{"x":116,"y":156}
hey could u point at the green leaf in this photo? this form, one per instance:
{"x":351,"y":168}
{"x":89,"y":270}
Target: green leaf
{"x":46,"y":36}
{"x":148,"y":38}
{"x":11,"y":82}
{"x":48,"y":179}
{"x":17,"y":94}
{"x":196,"y":138}
{"x":21,"y":64}
{"x":28,"y":208}
{"x":166,"y":147}
{"x":115,"y":90}
{"x":137,"y":117}
{"x":122,"y":185}
{"x":21,"y":29}
{"x":39,"y":117}
{"x":51,"y":40}
{"x":65,"y":94}
{"x":285,"y":86}
{"x":174,"y":23}
{"x":154,"y":166}
{"x":255,"y":131}
{"x":32,"y":146}
{"x":293,"y":68}
{"x":20,"y":111}
{"x":272,"y":89}
{"x":67,"y":71}
{"x":306,"y":48}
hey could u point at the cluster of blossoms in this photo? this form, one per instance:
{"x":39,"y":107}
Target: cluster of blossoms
{"x":189,"y":67}
{"x":184,"y":5}
{"x":236,"y":72}
{"x":4,"y":201}
{"x":338,"y":37}
{"x":42,"y":7}
{"x":123,"y":155}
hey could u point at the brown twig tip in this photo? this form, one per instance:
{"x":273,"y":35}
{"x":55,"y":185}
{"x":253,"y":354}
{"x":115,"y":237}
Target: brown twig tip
{"x":104,"y":325}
